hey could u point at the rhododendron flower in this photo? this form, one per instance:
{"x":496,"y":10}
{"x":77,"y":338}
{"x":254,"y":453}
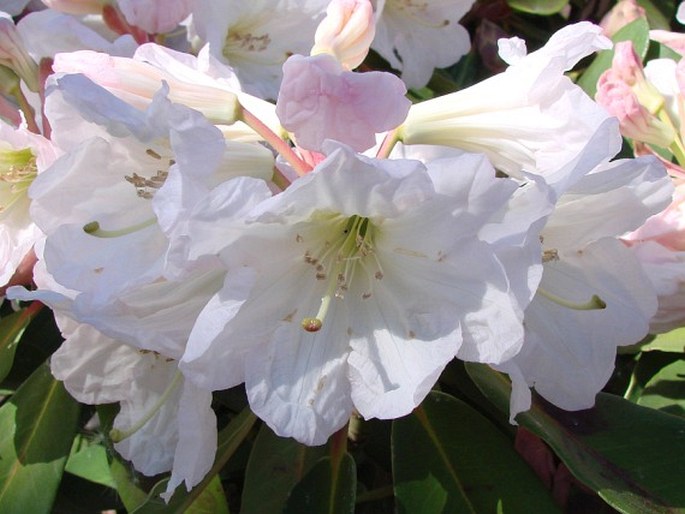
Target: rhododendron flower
{"x":530,"y":117}
{"x":626,"y":93}
{"x":49,"y":32}
{"x":165,"y":422}
{"x":320,"y":100}
{"x":417,"y":37}
{"x":255,"y":38}
{"x":368,"y":297}
{"x":22,"y":156}
{"x":593,"y":295}
{"x":659,"y":245}
{"x":346,"y":32}
{"x":134,"y":186}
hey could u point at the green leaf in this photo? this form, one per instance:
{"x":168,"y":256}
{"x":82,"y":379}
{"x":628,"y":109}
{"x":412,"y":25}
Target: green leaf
{"x":11,"y":329}
{"x":659,"y":13}
{"x":37,"y":427}
{"x":284,"y":462}
{"x":89,"y":461}
{"x":131,"y":492}
{"x":631,"y":455}
{"x":637,"y":32}
{"x":211,"y":501}
{"x":666,"y":390}
{"x":329,"y":488}
{"x":673,"y":341}
{"x":449,"y":458}
{"x":541,"y":7}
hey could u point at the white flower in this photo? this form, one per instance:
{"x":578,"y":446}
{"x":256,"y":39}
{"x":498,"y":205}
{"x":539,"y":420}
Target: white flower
{"x":593,"y":295}
{"x":356,"y":300}
{"x":165,"y":423}
{"x":255,"y":38}
{"x":117,"y":206}
{"x":530,"y":117}
{"x":48,"y":32}
{"x":23,"y":155}
{"x":417,"y":37}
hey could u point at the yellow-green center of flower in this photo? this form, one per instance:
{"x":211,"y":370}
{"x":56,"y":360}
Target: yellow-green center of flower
{"x":337,"y":261}
{"x":17,"y":171}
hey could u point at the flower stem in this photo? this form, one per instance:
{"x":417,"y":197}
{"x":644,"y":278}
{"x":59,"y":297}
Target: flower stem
{"x":28,"y":111}
{"x":280,"y":180}
{"x":277,"y":143}
{"x":389,"y":142}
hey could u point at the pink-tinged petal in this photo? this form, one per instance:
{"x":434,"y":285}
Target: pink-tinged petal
{"x":320,"y":100}
{"x":155,"y":17}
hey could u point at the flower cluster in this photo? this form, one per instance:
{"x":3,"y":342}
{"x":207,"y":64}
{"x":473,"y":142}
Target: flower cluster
{"x":214,"y":196}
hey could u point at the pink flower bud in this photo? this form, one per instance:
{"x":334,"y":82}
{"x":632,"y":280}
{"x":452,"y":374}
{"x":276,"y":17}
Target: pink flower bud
{"x":320,"y":100}
{"x":635,"y":120}
{"x":623,"y":13}
{"x":346,"y":32}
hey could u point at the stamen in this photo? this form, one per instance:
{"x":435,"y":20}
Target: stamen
{"x":594,"y":303}
{"x":93,"y":228}
{"x":338,"y":262}
{"x":117,"y":435}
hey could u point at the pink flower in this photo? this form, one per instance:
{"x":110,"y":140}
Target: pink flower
{"x":660,"y":247}
{"x":625,"y":92}
{"x":320,"y":100}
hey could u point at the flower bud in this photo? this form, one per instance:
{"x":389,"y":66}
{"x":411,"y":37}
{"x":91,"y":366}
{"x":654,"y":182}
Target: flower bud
{"x":136,"y":82}
{"x":346,"y":32}
{"x":623,"y":13}
{"x":77,"y":7}
{"x":14,"y":55}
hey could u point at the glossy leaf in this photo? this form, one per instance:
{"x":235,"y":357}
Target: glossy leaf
{"x":540,"y":7}
{"x":89,"y":461}
{"x":666,"y":390}
{"x":659,"y":13}
{"x":37,"y":427}
{"x":211,"y":501}
{"x":11,"y":329}
{"x":329,"y":488}
{"x":630,"y":455}
{"x":230,"y":438}
{"x":285,"y":462}
{"x":637,"y":32}
{"x":138,"y":501}
{"x":673,"y":341}
{"x":449,"y":458}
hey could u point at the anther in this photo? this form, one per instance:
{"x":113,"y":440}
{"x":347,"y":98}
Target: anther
{"x":312,"y":324}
